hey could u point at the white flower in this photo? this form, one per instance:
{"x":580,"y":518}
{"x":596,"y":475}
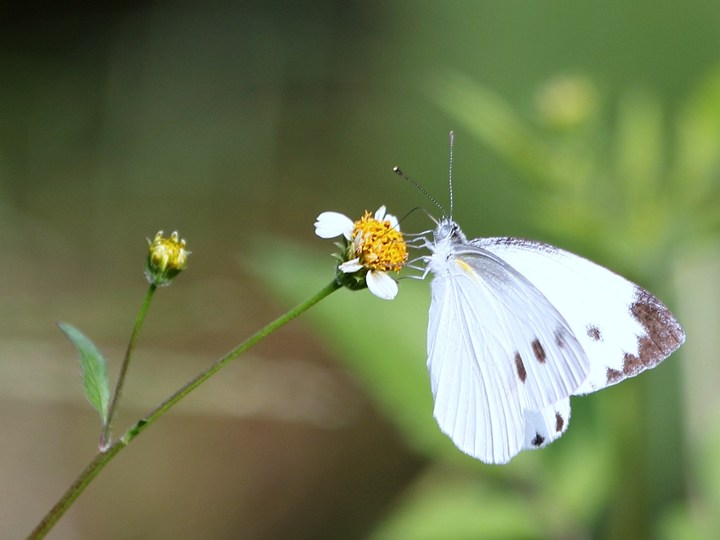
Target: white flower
{"x":373,"y":247}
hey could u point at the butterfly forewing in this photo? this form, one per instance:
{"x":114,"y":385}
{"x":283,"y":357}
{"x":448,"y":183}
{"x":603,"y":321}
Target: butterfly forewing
{"x":472,"y":403}
{"x":623,"y":328}
{"x":497,"y":348}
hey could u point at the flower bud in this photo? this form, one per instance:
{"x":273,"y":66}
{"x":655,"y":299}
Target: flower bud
{"x":167,"y":257}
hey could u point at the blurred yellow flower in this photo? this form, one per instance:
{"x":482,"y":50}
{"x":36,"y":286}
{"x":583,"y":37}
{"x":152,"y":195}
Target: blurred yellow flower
{"x":566,"y":102}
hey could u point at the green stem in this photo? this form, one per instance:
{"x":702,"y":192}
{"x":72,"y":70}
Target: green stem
{"x":76,"y":488}
{"x":104,"y":456}
{"x":105,"y":436}
{"x":161,"y":409}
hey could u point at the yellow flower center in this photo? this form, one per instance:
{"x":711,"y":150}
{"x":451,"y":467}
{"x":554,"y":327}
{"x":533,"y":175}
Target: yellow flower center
{"x":378,"y":245}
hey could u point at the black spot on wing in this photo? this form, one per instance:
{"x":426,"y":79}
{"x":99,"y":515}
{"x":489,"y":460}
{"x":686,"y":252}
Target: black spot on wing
{"x":537,"y":440}
{"x":594,"y":333}
{"x":559,"y":422}
{"x":520,"y":367}
{"x":538,"y":351}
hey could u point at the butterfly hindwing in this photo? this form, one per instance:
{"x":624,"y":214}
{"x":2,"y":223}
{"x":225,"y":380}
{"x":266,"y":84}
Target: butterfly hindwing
{"x":623,"y":328}
{"x":544,"y":426}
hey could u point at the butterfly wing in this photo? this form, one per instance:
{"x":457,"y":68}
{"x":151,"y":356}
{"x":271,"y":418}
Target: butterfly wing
{"x":544,"y":426}
{"x":623,"y":328}
{"x":497,"y":350}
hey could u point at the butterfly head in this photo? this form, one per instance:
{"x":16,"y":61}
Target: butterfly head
{"x":448,"y":231}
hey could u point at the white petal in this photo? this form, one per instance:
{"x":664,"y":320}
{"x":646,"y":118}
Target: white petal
{"x":351,"y":266}
{"x":332,"y":224}
{"x":381,"y":216}
{"x":381,"y":285}
{"x":393,"y":221}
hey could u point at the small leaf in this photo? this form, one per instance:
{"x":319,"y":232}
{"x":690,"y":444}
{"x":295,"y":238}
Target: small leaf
{"x":94,"y":370}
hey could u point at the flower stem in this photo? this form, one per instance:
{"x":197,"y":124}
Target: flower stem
{"x":161,"y":409}
{"x":76,"y":488}
{"x":107,"y":453}
{"x":105,"y":436}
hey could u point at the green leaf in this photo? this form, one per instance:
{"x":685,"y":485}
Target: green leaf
{"x":94,"y":370}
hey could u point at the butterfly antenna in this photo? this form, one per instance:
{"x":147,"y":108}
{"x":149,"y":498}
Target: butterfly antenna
{"x":422,"y":190}
{"x":452,"y":143}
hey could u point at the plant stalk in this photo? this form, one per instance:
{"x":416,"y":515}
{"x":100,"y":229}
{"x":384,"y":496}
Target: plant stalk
{"x":105,"y":435}
{"x":105,"y":455}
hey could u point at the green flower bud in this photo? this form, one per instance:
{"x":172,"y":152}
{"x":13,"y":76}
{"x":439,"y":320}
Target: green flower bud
{"x":167,"y":257}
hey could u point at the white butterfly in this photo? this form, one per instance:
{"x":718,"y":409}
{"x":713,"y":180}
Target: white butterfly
{"x":517,"y":327}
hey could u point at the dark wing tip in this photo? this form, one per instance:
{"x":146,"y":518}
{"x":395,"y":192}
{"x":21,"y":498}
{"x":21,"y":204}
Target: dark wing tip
{"x":663,"y":335}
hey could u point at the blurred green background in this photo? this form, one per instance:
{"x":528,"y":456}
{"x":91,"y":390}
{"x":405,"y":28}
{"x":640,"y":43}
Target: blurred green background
{"x":594,"y":126}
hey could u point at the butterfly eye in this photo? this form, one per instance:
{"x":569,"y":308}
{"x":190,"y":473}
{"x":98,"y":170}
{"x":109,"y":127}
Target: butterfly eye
{"x":448,"y":230}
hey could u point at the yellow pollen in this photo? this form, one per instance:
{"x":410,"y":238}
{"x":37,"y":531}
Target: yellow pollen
{"x":378,"y":245}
